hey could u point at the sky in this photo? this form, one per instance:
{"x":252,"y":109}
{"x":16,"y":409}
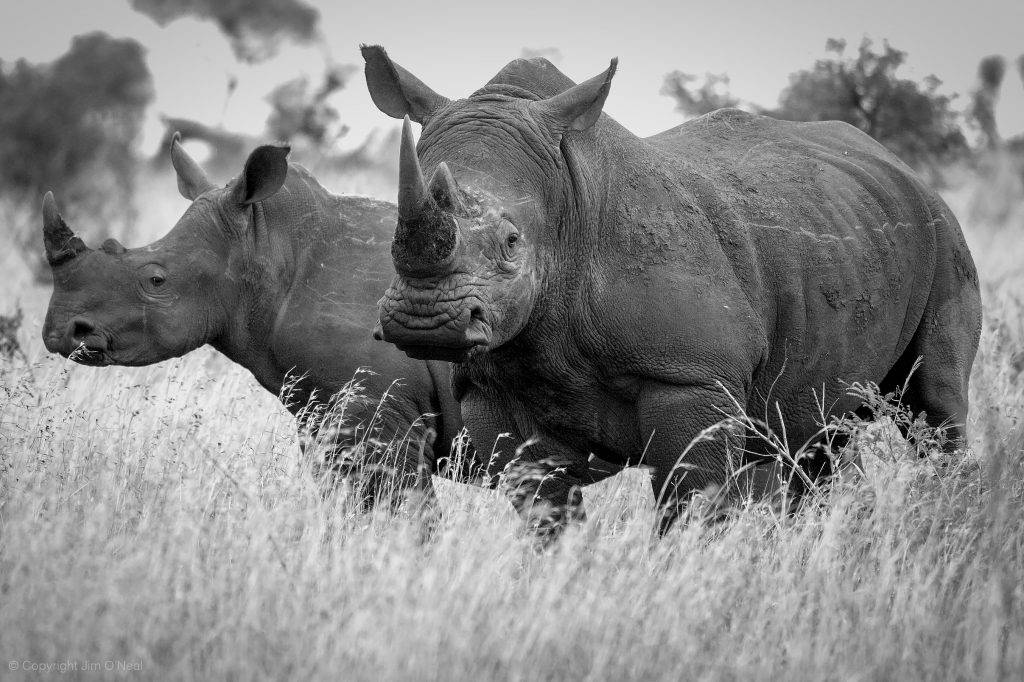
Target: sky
{"x":456,"y":46}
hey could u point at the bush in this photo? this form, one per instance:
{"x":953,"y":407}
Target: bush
{"x":71,"y":125}
{"x":913,"y":120}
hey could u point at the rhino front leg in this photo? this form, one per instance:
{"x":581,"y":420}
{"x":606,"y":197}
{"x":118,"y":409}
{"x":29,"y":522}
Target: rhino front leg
{"x":539,"y":477}
{"x":547,"y":495}
{"x":684,"y":458}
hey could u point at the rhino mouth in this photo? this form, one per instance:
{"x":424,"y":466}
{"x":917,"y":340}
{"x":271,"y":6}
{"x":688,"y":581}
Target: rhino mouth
{"x":91,"y":354}
{"x":80,"y":340}
{"x":92,"y":357}
{"x":453,"y":330}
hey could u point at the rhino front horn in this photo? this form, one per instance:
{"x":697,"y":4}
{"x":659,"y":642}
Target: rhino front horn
{"x":412,"y":190}
{"x":60,"y":242}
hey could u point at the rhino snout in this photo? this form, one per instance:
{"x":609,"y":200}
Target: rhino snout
{"x":438,"y":337}
{"x":83,"y":333}
{"x":79,"y":334}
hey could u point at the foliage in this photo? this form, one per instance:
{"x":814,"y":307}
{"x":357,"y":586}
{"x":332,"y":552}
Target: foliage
{"x":9,"y":327}
{"x":70,"y":125}
{"x":227,"y":149}
{"x":981,"y":112}
{"x":255,"y":28}
{"x":991,"y":71}
{"x":693,"y":100}
{"x":149,"y":519}
{"x":913,"y":120}
{"x":298,"y":110}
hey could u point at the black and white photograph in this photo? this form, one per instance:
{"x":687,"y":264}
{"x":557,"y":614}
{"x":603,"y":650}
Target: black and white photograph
{"x":541,"y":341}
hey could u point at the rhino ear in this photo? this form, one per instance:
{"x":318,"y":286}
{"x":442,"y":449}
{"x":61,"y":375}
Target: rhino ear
{"x":580,"y":106}
{"x":395,"y":91}
{"x":192,"y":181}
{"x":265,"y":172}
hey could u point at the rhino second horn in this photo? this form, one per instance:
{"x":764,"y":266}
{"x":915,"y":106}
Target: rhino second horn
{"x":412,"y":190}
{"x":60,"y":242}
{"x":444,"y":190}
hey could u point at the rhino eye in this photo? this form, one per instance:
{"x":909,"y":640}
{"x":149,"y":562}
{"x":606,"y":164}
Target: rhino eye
{"x":153,"y":278}
{"x":512,"y":239}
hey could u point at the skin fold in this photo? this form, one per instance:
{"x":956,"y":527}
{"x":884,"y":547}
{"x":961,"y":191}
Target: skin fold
{"x":613,"y":296}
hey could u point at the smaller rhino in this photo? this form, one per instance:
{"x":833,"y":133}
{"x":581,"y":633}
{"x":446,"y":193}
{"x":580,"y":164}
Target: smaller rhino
{"x":280,"y":276}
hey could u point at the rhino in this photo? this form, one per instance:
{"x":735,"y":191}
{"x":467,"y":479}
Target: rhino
{"x":607,"y":295}
{"x":280,"y":276}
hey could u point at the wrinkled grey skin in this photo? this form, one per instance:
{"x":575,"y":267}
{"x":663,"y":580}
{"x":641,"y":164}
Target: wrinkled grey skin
{"x":604,"y":293}
{"x":276,"y":273}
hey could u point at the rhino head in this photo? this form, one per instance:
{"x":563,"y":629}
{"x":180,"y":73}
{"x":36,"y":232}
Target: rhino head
{"x":122,"y":306}
{"x":475,"y":243}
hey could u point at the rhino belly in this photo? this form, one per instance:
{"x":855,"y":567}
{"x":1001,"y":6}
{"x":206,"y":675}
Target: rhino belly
{"x":845,"y":309}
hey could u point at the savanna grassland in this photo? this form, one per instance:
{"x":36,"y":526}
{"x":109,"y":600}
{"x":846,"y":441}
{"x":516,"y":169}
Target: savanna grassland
{"x":158,"y":523}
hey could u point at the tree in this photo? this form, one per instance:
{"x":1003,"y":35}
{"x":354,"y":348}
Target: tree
{"x":298,"y":110}
{"x":991,"y":71}
{"x":913,"y":120}
{"x":227,"y":149}
{"x":71,"y":125}
{"x":254,"y":28}
{"x":692,"y":100}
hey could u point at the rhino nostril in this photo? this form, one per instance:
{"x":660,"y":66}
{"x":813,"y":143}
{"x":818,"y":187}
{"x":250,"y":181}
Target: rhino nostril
{"x":476,"y":313}
{"x":80,"y":329}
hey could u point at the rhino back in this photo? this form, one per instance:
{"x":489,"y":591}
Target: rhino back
{"x":821,"y":236}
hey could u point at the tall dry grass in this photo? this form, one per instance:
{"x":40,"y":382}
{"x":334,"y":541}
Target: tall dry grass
{"x":160,"y":520}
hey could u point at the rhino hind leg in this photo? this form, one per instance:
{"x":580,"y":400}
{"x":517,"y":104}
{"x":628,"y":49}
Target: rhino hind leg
{"x":945,"y":342}
{"x":832,"y":454}
{"x":941,"y":398}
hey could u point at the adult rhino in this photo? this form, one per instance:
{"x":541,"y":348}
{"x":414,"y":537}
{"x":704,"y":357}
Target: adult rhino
{"x":608,"y":294}
{"x":280,"y":276}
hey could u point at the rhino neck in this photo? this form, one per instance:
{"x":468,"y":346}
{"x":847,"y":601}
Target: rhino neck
{"x":628,"y":196}
{"x":308,"y":283}
{"x":583,"y":215}
{"x":589,"y":225}
{"x":260,"y":273}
